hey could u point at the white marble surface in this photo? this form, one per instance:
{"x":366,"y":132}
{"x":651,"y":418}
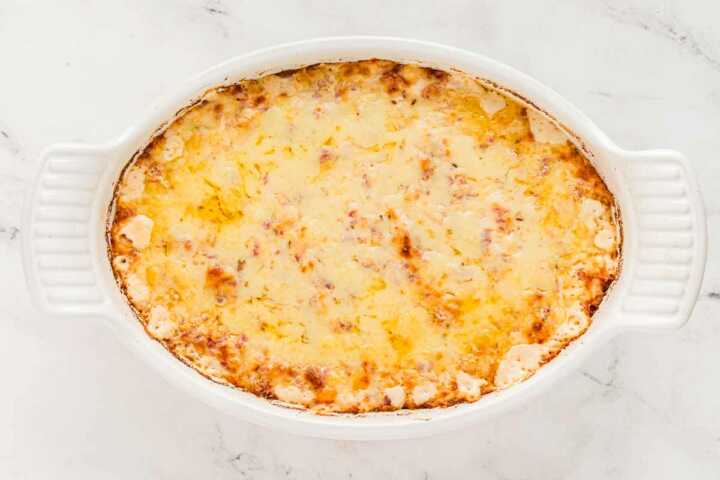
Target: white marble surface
{"x":75,"y":404}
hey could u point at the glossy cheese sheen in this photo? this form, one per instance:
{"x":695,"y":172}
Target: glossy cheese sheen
{"x":363,"y":236}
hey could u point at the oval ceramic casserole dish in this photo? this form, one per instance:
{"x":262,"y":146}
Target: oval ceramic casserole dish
{"x":661,"y":216}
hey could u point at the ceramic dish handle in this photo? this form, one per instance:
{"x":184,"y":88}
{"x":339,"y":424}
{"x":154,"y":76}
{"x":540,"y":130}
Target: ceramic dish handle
{"x":665,"y":247}
{"x":60,"y":247}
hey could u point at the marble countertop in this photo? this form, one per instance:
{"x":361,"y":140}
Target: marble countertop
{"x":75,"y":404}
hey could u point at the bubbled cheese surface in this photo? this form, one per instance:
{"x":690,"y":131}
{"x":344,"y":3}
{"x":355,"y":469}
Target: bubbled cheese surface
{"x":363,"y":236}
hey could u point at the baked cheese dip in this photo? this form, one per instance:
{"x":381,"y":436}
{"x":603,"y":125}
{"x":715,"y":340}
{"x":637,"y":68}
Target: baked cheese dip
{"x":365,"y":236}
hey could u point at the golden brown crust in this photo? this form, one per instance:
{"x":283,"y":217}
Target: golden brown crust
{"x":363,"y":236}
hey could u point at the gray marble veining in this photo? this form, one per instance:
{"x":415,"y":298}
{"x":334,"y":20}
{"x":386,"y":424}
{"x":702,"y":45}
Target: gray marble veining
{"x":77,"y":405}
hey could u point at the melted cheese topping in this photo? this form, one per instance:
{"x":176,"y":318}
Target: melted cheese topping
{"x":363,"y":236}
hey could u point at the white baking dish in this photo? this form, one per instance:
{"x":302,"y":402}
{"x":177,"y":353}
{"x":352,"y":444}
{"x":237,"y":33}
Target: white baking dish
{"x":69,"y":274}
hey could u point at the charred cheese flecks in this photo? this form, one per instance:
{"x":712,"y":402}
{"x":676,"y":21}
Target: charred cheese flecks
{"x":363,"y":236}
